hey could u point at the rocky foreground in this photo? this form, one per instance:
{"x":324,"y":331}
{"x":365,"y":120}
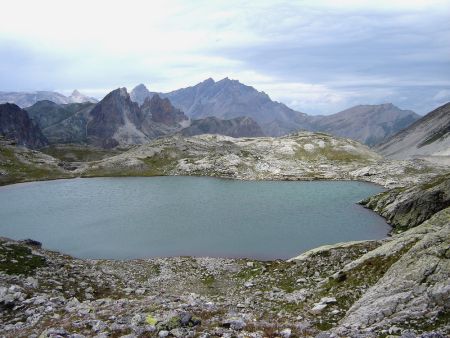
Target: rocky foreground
{"x":399,"y":286}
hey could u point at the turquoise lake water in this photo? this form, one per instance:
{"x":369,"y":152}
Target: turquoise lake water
{"x":139,"y":217}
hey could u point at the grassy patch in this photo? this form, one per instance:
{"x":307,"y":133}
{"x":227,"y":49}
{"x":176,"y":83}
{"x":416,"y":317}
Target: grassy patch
{"x":327,"y":153}
{"x":435,"y":182}
{"x":208,"y":281}
{"x":75,"y":153}
{"x":160,"y":163}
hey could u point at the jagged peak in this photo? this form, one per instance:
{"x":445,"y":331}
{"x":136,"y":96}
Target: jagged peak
{"x":228,"y":80}
{"x":155,"y":99}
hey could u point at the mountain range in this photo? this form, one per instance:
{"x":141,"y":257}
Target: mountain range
{"x":224,"y":107}
{"x":226,"y":99}
{"x":117,"y":121}
{"x":27,"y":99}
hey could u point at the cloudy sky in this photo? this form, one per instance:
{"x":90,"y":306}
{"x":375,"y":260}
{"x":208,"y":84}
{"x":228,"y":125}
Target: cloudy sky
{"x":317,"y":56}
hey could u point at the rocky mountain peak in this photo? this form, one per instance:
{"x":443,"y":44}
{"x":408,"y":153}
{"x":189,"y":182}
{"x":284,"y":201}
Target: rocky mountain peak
{"x":140,"y":93}
{"x":114,"y":120}
{"x":140,"y":86}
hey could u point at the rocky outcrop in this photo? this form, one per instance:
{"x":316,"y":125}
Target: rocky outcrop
{"x":414,"y":292}
{"x":427,"y":137}
{"x":161,"y":111}
{"x":406,"y":207}
{"x":16,"y":125}
{"x":237,"y":127}
{"x":369,"y":124}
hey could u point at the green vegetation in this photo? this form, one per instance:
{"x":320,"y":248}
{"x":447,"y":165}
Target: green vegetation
{"x":79,"y":153}
{"x":150,"y":320}
{"x":17,"y":259}
{"x":435,"y":182}
{"x":208,"y":280}
{"x":162,"y":162}
{"x":159,"y":164}
{"x":328,"y":153}
{"x":350,"y":286}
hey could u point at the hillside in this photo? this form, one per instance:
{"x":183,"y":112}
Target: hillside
{"x":427,"y":137}
{"x":47,"y":113}
{"x":237,"y":127}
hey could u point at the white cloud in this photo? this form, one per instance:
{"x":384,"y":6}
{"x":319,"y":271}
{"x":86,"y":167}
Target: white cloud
{"x":314,"y":55}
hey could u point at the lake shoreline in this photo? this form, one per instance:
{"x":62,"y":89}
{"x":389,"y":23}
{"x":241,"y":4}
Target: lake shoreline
{"x":271,"y":212}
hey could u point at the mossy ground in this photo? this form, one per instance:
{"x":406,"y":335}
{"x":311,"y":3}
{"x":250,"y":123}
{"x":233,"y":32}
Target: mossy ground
{"x":16,"y":259}
{"x":327,"y":153}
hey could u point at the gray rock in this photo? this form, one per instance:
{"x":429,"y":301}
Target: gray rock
{"x":163,"y":333}
{"x":234,"y":323}
{"x":286,"y":333}
{"x":185,"y":319}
